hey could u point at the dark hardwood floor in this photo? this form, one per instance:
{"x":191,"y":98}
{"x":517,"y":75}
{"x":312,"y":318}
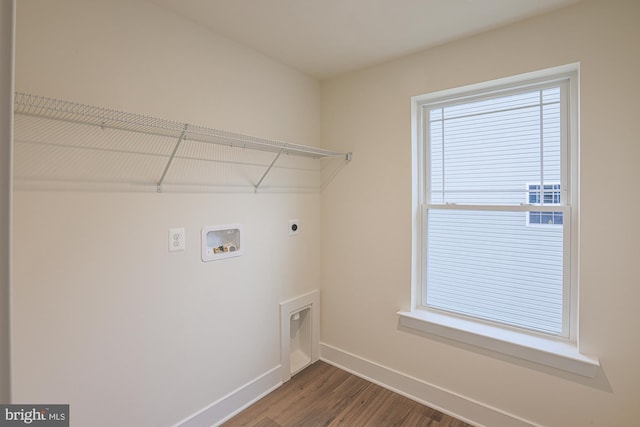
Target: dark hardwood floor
{"x":323,"y":395}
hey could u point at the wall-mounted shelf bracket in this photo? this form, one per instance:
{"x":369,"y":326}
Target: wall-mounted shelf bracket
{"x":273,"y":162}
{"x":173,"y":155}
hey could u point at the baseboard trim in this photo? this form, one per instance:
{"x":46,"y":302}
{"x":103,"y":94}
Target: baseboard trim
{"x":233,"y":403}
{"x":445,"y":401}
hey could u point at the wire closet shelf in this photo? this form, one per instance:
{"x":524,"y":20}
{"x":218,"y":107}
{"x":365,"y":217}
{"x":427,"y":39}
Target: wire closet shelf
{"x":64,"y":125}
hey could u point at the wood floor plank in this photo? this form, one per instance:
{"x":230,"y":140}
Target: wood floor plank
{"x":328,"y":406}
{"x":323,"y":395}
{"x":364,"y":409}
{"x":266,"y":422}
{"x":314,"y":408}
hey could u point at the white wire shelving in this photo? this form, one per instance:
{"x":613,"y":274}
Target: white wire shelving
{"x":61,"y":141}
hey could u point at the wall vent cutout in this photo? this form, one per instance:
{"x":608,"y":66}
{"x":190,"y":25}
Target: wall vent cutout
{"x":299,"y":333}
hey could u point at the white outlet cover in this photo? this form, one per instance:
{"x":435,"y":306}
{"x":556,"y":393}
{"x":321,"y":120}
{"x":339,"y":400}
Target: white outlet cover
{"x":176,"y":239}
{"x":294,"y":227}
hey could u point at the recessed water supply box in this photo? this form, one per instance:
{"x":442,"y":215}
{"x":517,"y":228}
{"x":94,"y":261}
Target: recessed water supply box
{"x":221,"y":241}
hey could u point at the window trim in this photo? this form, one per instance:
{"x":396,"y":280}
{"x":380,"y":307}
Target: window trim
{"x":561,"y":353}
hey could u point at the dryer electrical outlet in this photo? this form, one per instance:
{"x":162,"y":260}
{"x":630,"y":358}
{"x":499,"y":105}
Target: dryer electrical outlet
{"x":294,"y":227}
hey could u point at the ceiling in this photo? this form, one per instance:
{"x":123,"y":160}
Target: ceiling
{"x":324,"y":38}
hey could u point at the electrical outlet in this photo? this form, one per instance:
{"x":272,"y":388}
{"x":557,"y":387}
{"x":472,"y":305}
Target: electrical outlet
{"x":294,"y":227}
{"x":176,"y":239}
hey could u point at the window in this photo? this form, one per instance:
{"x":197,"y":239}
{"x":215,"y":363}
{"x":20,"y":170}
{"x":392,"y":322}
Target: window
{"x":482,"y":260}
{"x":550,"y":196}
{"x":495,"y":220}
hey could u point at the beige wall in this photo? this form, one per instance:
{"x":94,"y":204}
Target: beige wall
{"x":366,"y":216}
{"x":7,"y":36}
{"x":105,"y":318}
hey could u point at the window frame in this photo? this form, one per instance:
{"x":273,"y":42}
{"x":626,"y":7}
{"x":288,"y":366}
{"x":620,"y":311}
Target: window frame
{"x":558,"y":351}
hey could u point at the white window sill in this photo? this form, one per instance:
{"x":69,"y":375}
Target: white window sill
{"x":558,"y":354}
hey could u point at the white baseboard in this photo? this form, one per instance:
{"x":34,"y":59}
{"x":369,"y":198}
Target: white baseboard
{"x":226,"y":407}
{"x":445,"y":401}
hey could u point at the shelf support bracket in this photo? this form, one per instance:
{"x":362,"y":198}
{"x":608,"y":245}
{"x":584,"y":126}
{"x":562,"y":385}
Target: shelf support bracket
{"x":173,"y":155}
{"x":273,"y":162}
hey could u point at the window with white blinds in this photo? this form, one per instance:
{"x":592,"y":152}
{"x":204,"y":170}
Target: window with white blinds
{"x":496,"y":208}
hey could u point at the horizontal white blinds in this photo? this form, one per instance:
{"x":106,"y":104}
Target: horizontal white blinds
{"x":498,"y":263}
{"x":488,"y":151}
{"x":491,"y":265}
